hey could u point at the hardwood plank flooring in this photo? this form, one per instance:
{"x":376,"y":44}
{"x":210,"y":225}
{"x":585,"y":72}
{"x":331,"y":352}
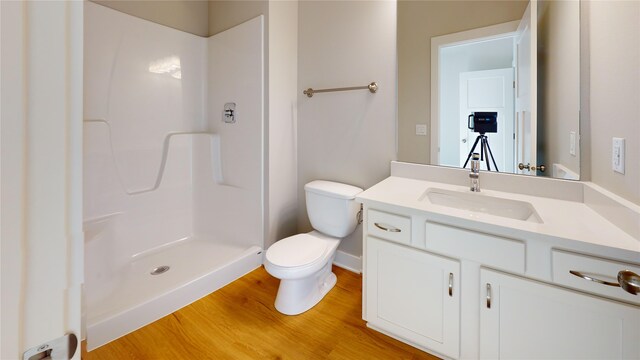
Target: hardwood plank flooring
{"x":239,"y":321}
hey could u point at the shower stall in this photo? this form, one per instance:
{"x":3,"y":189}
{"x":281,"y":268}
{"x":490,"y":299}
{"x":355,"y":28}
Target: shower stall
{"x":173,"y":167}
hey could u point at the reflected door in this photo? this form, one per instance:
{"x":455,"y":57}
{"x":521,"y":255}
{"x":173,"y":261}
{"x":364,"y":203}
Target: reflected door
{"x":489,"y":90}
{"x":526,"y":90}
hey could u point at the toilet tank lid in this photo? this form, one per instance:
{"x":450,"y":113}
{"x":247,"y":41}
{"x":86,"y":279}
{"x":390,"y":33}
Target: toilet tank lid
{"x":333,"y":189}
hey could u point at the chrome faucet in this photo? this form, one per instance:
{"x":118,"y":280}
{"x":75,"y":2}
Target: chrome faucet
{"x":474,"y":176}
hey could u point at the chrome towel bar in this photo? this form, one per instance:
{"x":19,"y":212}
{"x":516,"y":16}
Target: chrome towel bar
{"x":373,"y":87}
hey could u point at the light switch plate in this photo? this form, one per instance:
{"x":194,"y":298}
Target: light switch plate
{"x":617,"y":160}
{"x":572,"y":143}
{"x":421,"y":129}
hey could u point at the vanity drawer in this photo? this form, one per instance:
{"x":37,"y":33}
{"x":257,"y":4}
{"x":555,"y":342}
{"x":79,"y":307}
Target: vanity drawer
{"x":492,"y":251}
{"x":594,"y":268}
{"x":389,"y":226}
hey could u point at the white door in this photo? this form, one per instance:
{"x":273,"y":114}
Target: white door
{"x":489,"y":90}
{"x":41,"y":174}
{"x":526,"y":88}
{"x":521,"y":318}
{"x":414,"y":295}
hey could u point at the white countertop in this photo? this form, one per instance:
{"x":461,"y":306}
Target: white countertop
{"x":562,"y":220}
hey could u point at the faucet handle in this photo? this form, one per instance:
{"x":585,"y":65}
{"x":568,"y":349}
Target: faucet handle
{"x":474,"y":175}
{"x":475,"y":163}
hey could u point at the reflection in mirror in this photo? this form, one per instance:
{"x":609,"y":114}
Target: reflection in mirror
{"x":518,"y":60}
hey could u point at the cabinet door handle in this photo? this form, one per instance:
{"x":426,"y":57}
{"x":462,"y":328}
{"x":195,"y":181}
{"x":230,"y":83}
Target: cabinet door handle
{"x":488,"y":296}
{"x":595,"y":280}
{"x":387,"y":228}
{"x":450,"y":284}
{"x":629,"y":281}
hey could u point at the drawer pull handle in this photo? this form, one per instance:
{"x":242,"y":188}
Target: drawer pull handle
{"x":387,"y":228}
{"x":450,"y":284}
{"x":629,"y":281}
{"x":595,"y":280}
{"x":488,"y":296}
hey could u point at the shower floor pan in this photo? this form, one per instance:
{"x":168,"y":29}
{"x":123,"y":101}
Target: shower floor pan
{"x":137,"y":297}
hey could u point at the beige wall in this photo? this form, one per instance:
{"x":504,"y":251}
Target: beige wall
{"x":199,"y":17}
{"x":614,"y":49}
{"x":191,"y":16}
{"x":282,"y":166}
{"x":346,"y":136}
{"x":559,"y":81}
{"x":226,"y":14}
{"x":418,"y":22}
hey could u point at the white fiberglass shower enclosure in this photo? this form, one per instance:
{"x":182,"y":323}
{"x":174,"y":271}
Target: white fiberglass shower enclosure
{"x":173,"y":196}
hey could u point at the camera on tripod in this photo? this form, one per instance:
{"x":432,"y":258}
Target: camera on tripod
{"x":483,"y":122}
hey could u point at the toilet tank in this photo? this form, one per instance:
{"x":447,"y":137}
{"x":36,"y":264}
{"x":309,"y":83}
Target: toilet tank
{"x":331,"y":207}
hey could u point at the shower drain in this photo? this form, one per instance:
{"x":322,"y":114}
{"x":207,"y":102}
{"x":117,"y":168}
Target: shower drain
{"x":160,"y":270}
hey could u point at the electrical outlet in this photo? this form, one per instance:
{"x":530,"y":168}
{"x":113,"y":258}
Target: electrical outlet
{"x":421,"y":129}
{"x":617,"y":160}
{"x":572,"y":143}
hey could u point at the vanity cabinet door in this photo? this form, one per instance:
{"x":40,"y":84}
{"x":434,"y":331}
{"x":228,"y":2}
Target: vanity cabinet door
{"x":522,"y":318}
{"x":413,"y":295}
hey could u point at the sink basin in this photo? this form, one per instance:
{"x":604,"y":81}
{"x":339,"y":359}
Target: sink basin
{"x":479,"y":203}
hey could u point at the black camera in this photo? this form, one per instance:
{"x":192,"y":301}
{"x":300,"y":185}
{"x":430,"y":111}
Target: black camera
{"x":483,"y":122}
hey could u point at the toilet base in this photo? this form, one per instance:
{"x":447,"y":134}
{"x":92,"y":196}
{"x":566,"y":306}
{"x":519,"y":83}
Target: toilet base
{"x":296,"y":296}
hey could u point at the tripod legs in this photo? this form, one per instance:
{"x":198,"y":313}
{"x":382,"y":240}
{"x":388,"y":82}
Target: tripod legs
{"x":489,"y":153}
{"x":485,"y":152}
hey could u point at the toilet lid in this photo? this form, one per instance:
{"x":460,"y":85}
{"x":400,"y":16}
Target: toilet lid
{"x":297,"y":250}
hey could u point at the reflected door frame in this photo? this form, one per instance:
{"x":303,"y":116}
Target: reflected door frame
{"x":438,"y":43}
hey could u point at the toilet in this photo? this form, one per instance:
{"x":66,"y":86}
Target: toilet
{"x":303,"y":262}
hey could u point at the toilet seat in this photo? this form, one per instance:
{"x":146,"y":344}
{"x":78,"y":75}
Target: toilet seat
{"x":297,"y":251}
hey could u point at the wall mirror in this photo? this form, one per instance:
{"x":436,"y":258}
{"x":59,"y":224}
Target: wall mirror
{"x":516,"y":60}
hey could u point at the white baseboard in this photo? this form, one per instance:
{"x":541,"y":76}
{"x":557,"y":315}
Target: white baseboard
{"x":348,"y":262}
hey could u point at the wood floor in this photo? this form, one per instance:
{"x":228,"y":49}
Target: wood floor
{"x":240,"y":322}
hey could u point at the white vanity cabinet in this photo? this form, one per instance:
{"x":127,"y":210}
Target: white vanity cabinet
{"x":413,"y":295}
{"x":462,"y":293}
{"x":522,"y":318}
{"x":534,"y":272}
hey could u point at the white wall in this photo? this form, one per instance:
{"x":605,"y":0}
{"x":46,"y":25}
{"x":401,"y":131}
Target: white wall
{"x":231,"y":211}
{"x":129,"y":111}
{"x":281,"y":74}
{"x":346,"y":136}
{"x":486,"y":55}
{"x":614,"y":33}
{"x":136,"y":109}
{"x":282,"y":128}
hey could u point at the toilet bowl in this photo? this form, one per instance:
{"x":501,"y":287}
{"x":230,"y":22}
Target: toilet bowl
{"x":303,"y":262}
